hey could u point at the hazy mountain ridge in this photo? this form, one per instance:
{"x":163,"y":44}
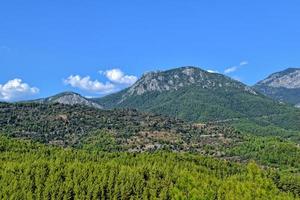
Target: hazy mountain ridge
{"x":283,"y":86}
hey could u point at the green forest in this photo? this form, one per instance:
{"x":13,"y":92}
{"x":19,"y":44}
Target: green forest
{"x":55,"y":151}
{"x":29,"y":170}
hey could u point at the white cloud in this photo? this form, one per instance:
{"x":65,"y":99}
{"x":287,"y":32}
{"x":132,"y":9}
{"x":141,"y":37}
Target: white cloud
{"x":116,"y":81}
{"x":235,"y":68}
{"x":230,"y":70}
{"x":85,"y":83}
{"x":15,"y":89}
{"x":117,"y":76}
{"x":244,"y":63}
{"x":212,"y":71}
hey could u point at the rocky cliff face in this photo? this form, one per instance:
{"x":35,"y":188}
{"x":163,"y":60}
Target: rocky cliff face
{"x":70,"y":98}
{"x":289,"y":78}
{"x":283,"y":86}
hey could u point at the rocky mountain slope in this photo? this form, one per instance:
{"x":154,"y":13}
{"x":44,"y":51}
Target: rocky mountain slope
{"x":192,"y":94}
{"x":283,"y":86}
{"x":69,"y":98}
{"x":182,"y":77}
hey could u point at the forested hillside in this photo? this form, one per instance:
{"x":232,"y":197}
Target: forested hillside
{"x":192,"y":94}
{"x":33,"y":171}
{"x":126,"y":129}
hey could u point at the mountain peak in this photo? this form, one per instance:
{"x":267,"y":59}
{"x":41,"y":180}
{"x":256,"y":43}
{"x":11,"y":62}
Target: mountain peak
{"x":190,"y":93}
{"x":289,"y":78}
{"x":177,"y":78}
{"x":70,"y":98}
{"x":283,"y":86}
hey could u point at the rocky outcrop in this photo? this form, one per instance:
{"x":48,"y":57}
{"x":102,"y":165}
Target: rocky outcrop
{"x":70,"y":98}
{"x":283,"y":86}
{"x":289,"y":78}
{"x":181,"y":77}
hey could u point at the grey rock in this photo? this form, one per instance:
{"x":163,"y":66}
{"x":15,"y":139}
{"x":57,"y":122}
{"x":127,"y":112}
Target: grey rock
{"x":69,"y":98}
{"x":175,"y":79}
{"x":283,"y":86}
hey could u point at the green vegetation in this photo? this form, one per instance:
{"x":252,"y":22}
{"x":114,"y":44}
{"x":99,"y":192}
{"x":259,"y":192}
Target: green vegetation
{"x":247,"y":112}
{"x":269,"y":151}
{"x":291,"y":96}
{"x":262,"y":127}
{"x":33,"y":171}
{"x":197,"y":104}
{"x":275,"y":153}
{"x":208,"y":98}
{"x":130,"y":130}
{"x":95,"y":139}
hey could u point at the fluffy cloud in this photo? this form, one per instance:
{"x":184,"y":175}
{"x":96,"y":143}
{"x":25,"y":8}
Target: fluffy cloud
{"x":117,"y":76}
{"x":85,"y":83}
{"x":15,"y":89}
{"x":116,"y":81}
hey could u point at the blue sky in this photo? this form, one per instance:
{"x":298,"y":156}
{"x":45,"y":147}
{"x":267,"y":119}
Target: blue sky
{"x":96,"y":47}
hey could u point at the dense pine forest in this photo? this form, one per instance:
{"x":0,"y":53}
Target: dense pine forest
{"x":34,"y":171}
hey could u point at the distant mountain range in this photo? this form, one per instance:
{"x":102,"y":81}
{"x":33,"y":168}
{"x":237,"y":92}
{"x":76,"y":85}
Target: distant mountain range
{"x":283,"y":86}
{"x":156,"y":91}
{"x":195,"y":95}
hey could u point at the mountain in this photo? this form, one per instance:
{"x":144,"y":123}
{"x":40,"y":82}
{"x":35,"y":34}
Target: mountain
{"x":69,"y":98}
{"x":283,"y":86}
{"x":192,"y":94}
